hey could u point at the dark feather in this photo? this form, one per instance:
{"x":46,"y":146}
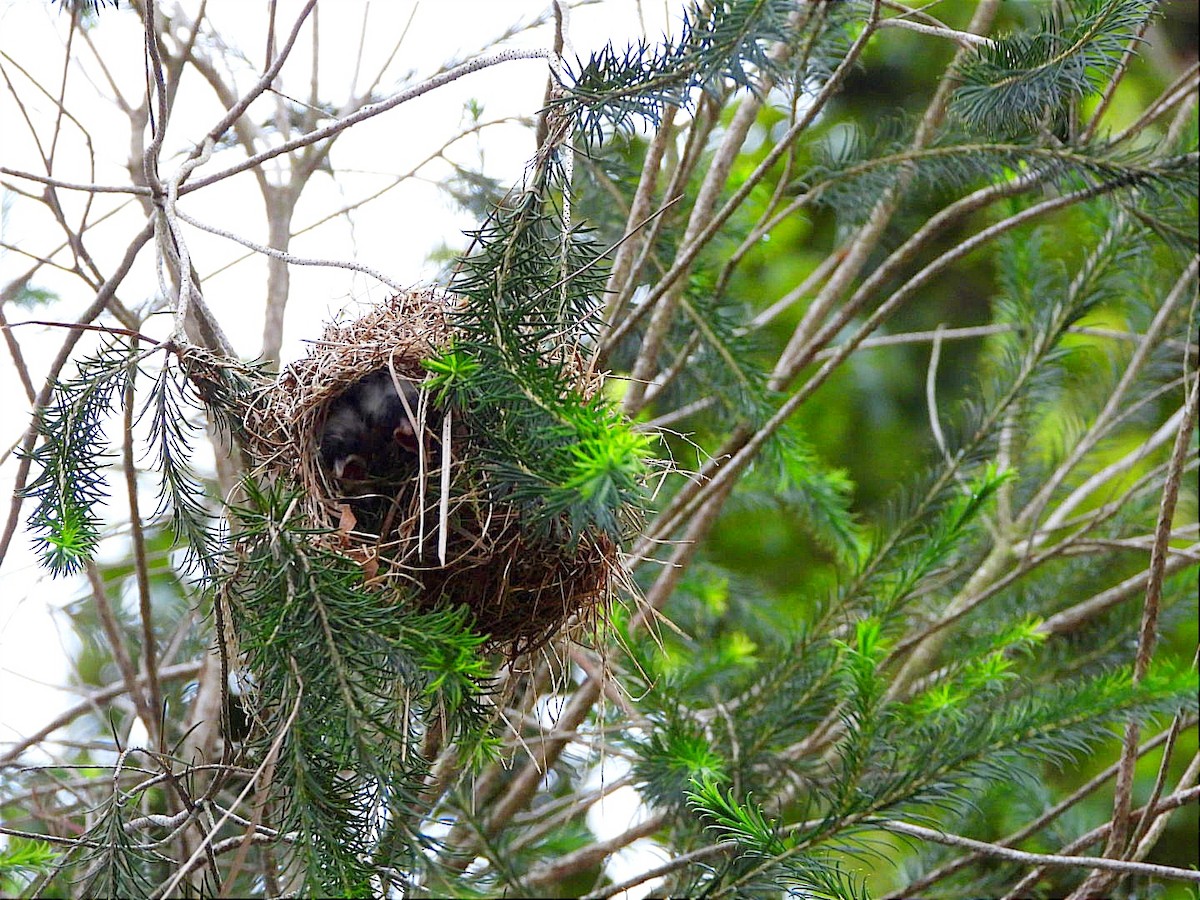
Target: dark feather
{"x":371,"y":429}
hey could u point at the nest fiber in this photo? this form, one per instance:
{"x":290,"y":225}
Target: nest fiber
{"x":422,"y":536}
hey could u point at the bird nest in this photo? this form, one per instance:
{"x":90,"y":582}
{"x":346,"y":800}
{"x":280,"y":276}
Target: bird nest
{"x":411,"y":506}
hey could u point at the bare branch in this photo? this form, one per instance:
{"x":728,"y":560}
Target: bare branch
{"x":1149,"y":870}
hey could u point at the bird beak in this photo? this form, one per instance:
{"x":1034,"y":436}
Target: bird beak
{"x":353,"y":468}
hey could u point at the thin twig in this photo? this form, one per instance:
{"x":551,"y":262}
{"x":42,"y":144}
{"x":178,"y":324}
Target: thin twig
{"x":1033,"y":827}
{"x":288,"y":257}
{"x":93,"y":700}
{"x":366,"y":112}
{"x":964,"y":39}
{"x":141,"y":572}
{"x":1148,"y":630}
{"x":272,"y":751}
{"x":1149,"y":870}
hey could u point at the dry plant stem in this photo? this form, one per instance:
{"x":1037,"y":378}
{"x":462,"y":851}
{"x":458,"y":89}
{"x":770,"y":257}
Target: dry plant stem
{"x":596,"y":669}
{"x":1183,"y":796}
{"x":173,"y":249}
{"x":742,"y":446}
{"x":1158,"y":823}
{"x":1182,"y":90}
{"x":62,"y":113}
{"x":1070,"y":619}
{"x":1037,"y":824}
{"x":701,"y":230}
{"x":697,"y":136}
{"x":796,"y":294}
{"x":288,"y":258}
{"x":10,"y":339}
{"x":48,"y":155}
{"x":935,"y":424}
{"x":671,"y":865}
{"x":639,"y":209}
{"x":683,"y":358}
{"x":787,"y":368}
{"x":552,"y":809}
{"x":156,"y":92}
{"x":868,"y":236}
{"x":924,"y":653}
{"x":1106,"y":475}
{"x":279,"y":200}
{"x":568,"y":808}
{"x":1142,"y":845}
{"x":235,"y":111}
{"x":76,"y":185}
{"x":545,"y":753}
{"x":90,"y":703}
{"x":485,"y":786}
{"x":1100,"y":426}
{"x":39,"y":260}
{"x":272,"y":753}
{"x":1060,"y":623}
{"x":366,"y":112}
{"x":48,"y":838}
{"x":682,"y":167}
{"x":176,"y":66}
{"x":1118,"y":74}
{"x":969,"y":597}
{"x":149,"y":648}
{"x":672,"y":515}
{"x":375,"y":195}
{"x":706,"y":199}
{"x":749,"y":109}
{"x":591,"y":855}
{"x":1183,"y":116}
{"x":1160,"y":781}
{"x":1148,"y":870}
{"x":964,"y":39}
{"x":1148,"y":631}
{"x":116,"y":641}
{"x":204,"y":715}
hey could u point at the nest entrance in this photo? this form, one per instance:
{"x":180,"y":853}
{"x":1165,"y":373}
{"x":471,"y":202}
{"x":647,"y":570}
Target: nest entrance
{"x":395,"y":481}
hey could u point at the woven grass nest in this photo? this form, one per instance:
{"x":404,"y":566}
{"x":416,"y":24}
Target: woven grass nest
{"x":520,"y":592}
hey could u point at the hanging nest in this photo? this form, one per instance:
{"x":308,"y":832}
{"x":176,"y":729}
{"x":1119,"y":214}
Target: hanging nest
{"x":421,"y":535}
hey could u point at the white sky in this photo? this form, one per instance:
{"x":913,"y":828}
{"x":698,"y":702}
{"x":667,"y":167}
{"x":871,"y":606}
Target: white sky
{"x":393,"y":235}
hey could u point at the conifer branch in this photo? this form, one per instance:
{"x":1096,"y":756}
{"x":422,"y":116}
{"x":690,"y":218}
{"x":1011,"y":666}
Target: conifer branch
{"x":781,"y":683}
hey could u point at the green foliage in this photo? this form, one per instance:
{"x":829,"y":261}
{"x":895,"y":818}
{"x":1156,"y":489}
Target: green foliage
{"x":1020,"y":82}
{"x":883,"y":661}
{"x":90,"y":9}
{"x":677,"y":755}
{"x":113,"y":865}
{"x":171,"y":439}
{"x":570,"y":463}
{"x":30,"y":297}
{"x":891,"y":578}
{"x":22,"y":860}
{"x":851,"y":165}
{"x":994,"y":741}
{"x":728,"y":40}
{"x":72,"y":457}
{"x":794,"y":482}
{"x":766,"y":857}
{"x":348,"y":684}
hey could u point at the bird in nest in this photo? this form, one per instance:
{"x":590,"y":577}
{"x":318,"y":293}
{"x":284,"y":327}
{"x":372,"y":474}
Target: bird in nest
{"x":373,"y":431}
